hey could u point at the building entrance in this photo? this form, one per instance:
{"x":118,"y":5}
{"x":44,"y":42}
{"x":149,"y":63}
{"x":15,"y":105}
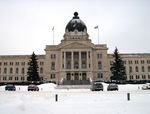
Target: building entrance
{"x":68,"y":77}
{"x":76,"y":76}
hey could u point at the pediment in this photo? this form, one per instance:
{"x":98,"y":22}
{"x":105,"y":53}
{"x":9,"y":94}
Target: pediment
{"x":76,"y":45}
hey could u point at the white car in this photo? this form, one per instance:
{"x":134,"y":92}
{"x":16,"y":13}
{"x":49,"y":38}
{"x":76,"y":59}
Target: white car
{"x":146,"y":86}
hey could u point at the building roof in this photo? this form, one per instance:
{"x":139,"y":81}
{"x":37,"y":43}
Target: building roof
{"x":20,"y":57}
{"x":76,"y":24}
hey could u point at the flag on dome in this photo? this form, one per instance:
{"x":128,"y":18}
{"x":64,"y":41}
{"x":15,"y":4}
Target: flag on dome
{"x":52,"y":28}
{"x":95,"y":27}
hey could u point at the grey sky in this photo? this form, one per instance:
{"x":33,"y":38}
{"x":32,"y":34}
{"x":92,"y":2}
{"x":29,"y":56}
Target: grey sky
{"x":26,"y":25}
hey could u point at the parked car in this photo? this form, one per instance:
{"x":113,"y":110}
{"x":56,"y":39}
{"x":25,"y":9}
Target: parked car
{"x":96,"y":86}
{"x":10,"y":87}
{"x":146,"y":86}
{"x":112,"y":87}
{"x":33,"y":88}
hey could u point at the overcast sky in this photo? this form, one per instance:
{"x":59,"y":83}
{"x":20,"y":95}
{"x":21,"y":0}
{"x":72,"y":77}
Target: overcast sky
{"x":26,"y":25}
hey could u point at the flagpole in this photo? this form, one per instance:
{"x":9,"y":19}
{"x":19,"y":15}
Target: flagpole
{"x":96,"y":27}
{"x":53,"y":34}
{"x":98,"y":35}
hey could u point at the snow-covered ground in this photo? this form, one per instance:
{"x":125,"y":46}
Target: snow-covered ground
{"x":75,"y":101}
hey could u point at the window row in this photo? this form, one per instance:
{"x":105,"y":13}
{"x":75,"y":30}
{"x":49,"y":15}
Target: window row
{"x":139,"y":77}
{"x":136,"y":62}
{"x":16,"y":71}
{"x":16,"y":78}
{"x":139,"y":69}
{"x":12,"y":78}
{"x":18,"y":63}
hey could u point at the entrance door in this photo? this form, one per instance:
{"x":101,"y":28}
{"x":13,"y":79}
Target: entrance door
{"x":76,"y":77}
{"x":84,"y":76}
{"x":68,"y":76}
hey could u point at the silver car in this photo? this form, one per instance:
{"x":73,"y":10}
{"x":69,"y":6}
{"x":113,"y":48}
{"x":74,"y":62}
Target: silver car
{"x":146,"y":86}
{"x":112,"y":87}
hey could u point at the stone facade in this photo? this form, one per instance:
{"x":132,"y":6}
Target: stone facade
{"x":137,"y":65}
{"x":14,"y":68}
{"x":76,"y":60}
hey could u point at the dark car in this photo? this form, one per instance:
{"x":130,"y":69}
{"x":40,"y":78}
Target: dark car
{"x":33,"y":88}
{"x":112,"y":87}
{"x":10,"y":87}
{"x":96,"y":86}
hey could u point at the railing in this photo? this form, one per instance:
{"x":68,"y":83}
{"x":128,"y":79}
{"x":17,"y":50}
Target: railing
{"x":76,"y":82}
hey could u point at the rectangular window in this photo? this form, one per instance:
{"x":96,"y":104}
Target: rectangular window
{"x":22,"y":78}
{"x":41,"y":63}
{"x":99,"y":56}
{"x":62,"y":55}
{"x":53,"y":56}
{"x":100,"y":75}
{"x":131,"y":77}
{"x":148,"y":61}
{"x":142,"y":61}
{"x":143,"y":76}
{"x":4,"y":78}
{"x":10,"y":78}
{"x":17,"y":63}
{"x":89,"y":54}
{"x":53,"y":66}
{"x":11,"y":63}
{"x":100,"y":65}
{"x":16,"y":78}
{"x":148,"y":69}
{"x":22,"y":63}
{"x":137,"y":77}
{"x":5,"y":63}
{"x":52,"y":76}
{"x":136,"y":62}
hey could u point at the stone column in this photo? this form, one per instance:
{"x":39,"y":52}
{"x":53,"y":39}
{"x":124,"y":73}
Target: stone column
{"x":72,"y":65}
{"x":64,"y":60}
{"x":61,"y":59}
{"x":87,"y":61}
{"x":80,"y":60}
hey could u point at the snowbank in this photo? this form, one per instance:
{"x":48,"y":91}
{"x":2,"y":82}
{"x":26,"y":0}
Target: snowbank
{"x":74,"y":101}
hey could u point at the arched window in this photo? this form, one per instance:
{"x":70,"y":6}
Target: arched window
{"x":148,"y":68}
{"x":11,"y":70}
{"x":143,"y":70}
{"x":130,"y":69}
{"x":22,"y":70}
{"x":17,"y":70}
{"x":136,"y":69}
{"x":5,"y":70}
